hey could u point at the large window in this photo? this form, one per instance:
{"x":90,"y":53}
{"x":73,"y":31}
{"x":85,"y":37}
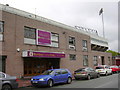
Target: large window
{"x":109,"y":63}
{"x":71,"y":42}
{"x":1,"y":26}
{"x":85,"y":60}
{"x":29,"y":32}
{"x":55,"y":39}
{"x":72,"y":57}
{"x":84,"y":45}
{"x":95,"y":62}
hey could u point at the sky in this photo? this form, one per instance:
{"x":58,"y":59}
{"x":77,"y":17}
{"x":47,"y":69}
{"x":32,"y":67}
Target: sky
{"x":83,"y":13}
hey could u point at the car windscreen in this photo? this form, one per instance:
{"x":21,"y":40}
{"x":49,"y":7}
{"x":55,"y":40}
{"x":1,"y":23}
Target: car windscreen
{"x":48,"y":72}
{"x":113,"y":66}
{"x":99,"y":68}
{"x":81,"y":69}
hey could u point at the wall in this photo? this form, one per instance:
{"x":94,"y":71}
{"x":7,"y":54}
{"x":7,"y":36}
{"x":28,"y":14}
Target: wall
{"x":14,"y":38}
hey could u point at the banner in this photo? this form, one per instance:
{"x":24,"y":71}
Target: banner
{"x":43,"y":38}
{"x":43,"y":54}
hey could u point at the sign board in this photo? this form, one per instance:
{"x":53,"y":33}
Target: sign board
{"x":43,"y":54}
{"x":43,"y":38}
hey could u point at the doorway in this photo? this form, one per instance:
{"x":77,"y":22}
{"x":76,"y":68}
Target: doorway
{"x":102,"y":60}
{"x":36,"y":66}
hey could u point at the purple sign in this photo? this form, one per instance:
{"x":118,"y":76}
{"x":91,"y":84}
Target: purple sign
{"x":43,"y":38}
{"x":45,"y":54}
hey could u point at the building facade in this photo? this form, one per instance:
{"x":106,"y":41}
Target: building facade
{"x":31,"y":44}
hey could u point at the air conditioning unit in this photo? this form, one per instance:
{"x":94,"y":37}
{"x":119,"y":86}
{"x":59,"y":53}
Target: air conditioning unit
{"x":71,"y":47}
{"x":84,"y":49}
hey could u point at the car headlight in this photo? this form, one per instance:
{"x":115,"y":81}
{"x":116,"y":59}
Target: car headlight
{"x":41,"y":79}
{"x":31,"y":79}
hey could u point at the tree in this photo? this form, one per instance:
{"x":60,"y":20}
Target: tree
{"x":113,"y":53}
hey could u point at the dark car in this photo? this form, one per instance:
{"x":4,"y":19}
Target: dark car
{"x":86,"y":73}
{"x":51,"y":77}
{"x":8,"y":82}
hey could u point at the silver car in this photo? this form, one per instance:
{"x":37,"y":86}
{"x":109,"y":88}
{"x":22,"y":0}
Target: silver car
{"x":7,"y":82}
{"x":86,"y":73}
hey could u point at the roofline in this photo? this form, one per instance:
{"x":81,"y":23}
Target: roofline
{"x":49,"y":21}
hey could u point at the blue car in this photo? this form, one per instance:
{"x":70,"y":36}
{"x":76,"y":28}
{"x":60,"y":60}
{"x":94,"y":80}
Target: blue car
{"x":51,"y":77}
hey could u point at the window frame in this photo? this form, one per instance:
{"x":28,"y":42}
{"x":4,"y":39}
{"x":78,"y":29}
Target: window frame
{"x":95,"y":60}
{"x":72,"y":46}
{"x":28,"y":30}
{"x":84,"y":45}
{"x":71,"y":57}
{"x":85,"y":60}
{"x":53,"y":41}
{"x":2,"y":24}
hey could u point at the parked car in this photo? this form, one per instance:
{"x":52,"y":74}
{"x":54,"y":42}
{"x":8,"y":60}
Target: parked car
{"x":51,"y":77}
{"x":8,"y":82}
{"x":103,"y":69}
{"x":115,"y":69}
{"x":86,"y":73}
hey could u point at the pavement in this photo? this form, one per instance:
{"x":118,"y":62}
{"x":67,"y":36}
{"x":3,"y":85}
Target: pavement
{"x":24,"y":83}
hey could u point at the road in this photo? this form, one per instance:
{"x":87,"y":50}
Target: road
{"x":110,"y":81}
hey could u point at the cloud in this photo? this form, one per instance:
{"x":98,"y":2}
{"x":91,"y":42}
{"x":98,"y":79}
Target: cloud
{"x":76,"y":12}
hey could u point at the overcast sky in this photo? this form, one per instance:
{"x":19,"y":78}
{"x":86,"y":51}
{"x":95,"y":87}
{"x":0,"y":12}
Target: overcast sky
{"x":76,"y":13}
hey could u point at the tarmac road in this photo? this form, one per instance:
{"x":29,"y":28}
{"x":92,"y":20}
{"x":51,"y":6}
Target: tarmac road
{"x":110,"y":81}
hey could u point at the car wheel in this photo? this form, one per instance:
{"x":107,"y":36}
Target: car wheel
{"x":98,"y":75}
{"x":50,"y":83}
{"x":6,"y":87}
{"x":106,"y":74}
{"x":76,"y":78}
{"x":88,"y":77}
{"x":69,"y":80}
{"x":111,"y":73}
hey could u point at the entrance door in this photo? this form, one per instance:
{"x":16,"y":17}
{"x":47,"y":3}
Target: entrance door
{"x":36,"y":66}
{"x":102,"y":60}
{"x":3,"y":63}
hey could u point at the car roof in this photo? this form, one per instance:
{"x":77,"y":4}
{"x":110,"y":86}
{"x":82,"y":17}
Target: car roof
{"x":58,"y":69}
{"x":101,"y":65}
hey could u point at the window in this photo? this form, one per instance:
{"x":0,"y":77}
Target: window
{"x":55,"y":39}
{"x":85,"y":60}
{"x":64,"y":72}
{"x":109,"y":61}
{"x":72,"y":57}
{"x":95,"y":62}
{"x":71,"y":42}
{"x":2,"y":75}
{"x":1,"y":26}
{"x":84,"y":44}
{"x":58,"y":72}
{"x":29,"y":33}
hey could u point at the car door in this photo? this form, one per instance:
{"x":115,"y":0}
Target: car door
{"x":93,"y":72}
{"x":64,"y":75}
{"x":57,"y":76}
{"x":108,"y":70}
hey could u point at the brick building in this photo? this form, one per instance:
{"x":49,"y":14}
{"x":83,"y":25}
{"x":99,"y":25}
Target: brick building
{"x":31,"y":44}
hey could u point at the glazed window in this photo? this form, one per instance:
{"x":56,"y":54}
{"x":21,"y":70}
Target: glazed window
{"x":2,"y":75}
{"x":95,"y":62}
{"x":55,"y":40}
{"x":64,"y":72}
{"x":84,"y":45}
{"x":1,"y":26}
{"x":109,"y":61}
{"x":71,"y":42}
{"x":29,"y":32}
{"x":72,"y":57}
{"x":85,"y":60}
